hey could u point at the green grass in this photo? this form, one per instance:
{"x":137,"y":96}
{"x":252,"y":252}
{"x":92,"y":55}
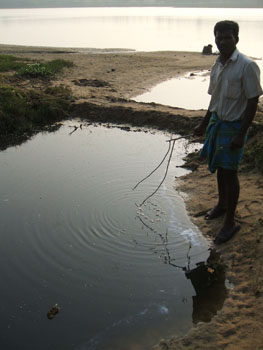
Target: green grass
{"x":30,"y":69}
{"x":23,"y":111}
{"x":43,"y":70}
{"x":35,"y":70}
{"x":11,"y":63}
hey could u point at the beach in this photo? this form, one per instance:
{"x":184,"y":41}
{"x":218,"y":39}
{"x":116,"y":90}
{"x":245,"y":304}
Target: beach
{"x":103,"y":83}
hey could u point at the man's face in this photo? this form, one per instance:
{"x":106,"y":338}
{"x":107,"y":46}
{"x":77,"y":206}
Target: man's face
{"x":226,"y":42}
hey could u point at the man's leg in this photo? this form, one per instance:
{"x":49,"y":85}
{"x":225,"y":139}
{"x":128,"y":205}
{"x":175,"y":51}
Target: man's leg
{"x":229,"y":228}
{"x":232,"y":195}
{"x":222,"y":189}
{"x":220,"y":208}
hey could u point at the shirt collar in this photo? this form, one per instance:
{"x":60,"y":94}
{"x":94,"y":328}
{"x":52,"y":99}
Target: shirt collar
{"x":233,"y":57}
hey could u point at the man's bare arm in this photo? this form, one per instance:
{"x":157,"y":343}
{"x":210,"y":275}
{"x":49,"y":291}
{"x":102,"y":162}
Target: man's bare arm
{"x":199,"y":130}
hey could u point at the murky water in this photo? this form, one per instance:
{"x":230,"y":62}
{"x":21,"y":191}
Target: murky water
{"x":72,"y":234}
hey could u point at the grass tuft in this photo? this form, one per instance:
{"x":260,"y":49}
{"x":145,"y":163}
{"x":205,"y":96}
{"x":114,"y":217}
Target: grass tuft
{"x":43,"y":69}
{"x":35,"y":70}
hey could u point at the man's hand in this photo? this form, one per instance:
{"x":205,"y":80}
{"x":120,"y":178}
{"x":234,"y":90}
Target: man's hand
{"x":199,"y":130}
{"x":250,"y":111}
{"x":237,"y":142}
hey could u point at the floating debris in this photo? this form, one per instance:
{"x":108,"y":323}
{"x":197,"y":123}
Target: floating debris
{"x":210,"y":270}
{"x":53,"y":311}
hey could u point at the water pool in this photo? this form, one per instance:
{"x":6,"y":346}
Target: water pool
{"x":72,"y":234}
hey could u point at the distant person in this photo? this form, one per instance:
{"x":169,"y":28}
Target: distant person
{"x":207,"y":50}
{"x":234,"y":89}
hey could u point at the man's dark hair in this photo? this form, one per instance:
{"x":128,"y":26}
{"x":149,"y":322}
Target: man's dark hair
{"x":227,"y":25}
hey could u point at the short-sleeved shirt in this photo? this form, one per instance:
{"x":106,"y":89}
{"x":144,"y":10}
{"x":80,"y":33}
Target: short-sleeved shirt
{"x":232,"y":84}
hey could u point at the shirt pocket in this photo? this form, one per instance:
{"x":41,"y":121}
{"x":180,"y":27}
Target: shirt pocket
{"x":233,"y":89}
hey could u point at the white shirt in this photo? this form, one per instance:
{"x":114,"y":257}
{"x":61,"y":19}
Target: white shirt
{"x":232,"y":84}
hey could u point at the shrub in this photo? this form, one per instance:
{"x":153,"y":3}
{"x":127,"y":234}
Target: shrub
{"x":35,"y":70}
{"x":43,"y":70}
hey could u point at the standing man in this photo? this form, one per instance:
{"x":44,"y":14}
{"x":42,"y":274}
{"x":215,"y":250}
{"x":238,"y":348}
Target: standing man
{"x":234,"y":89}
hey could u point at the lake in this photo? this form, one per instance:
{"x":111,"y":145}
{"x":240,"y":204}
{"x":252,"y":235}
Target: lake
{"x":72,"y":233}
{"x":143,"y":29}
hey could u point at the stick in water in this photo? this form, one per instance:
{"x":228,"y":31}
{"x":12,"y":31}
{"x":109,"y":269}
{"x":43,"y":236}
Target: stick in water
{"x":158,"y":166}
{"x":181,"y":137}
{"x":171,"y":152}
{"x":166,"y":171}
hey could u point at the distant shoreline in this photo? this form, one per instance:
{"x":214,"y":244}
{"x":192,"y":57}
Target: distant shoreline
{"x":134,"y":6}
{"x":145,"y":6}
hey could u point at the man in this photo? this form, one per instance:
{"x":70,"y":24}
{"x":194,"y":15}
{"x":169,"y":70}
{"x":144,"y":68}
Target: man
{"x":234,"y":89}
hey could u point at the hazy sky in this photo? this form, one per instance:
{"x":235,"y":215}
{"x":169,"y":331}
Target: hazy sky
{"x":76,"y":3}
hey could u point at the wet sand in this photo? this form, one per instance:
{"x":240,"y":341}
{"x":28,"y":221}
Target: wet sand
{"x":110,"y":79}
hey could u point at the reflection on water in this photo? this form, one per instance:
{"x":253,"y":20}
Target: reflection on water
{"x":208,"y":280}
{"x":72,"y":235}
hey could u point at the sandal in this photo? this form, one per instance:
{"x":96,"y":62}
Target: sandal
{"x":225,"y":234}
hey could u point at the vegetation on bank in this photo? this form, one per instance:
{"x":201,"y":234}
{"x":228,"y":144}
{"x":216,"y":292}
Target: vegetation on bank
{"x":30,"y":69}
{"x":23,"y":111}
{"x":9,"y":63}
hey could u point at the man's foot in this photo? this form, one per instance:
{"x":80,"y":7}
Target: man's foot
{"x":216,"y":212}
{"x":226,"y":234}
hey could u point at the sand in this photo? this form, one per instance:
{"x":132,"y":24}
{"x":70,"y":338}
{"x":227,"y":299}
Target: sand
{"x":120,"y":76}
